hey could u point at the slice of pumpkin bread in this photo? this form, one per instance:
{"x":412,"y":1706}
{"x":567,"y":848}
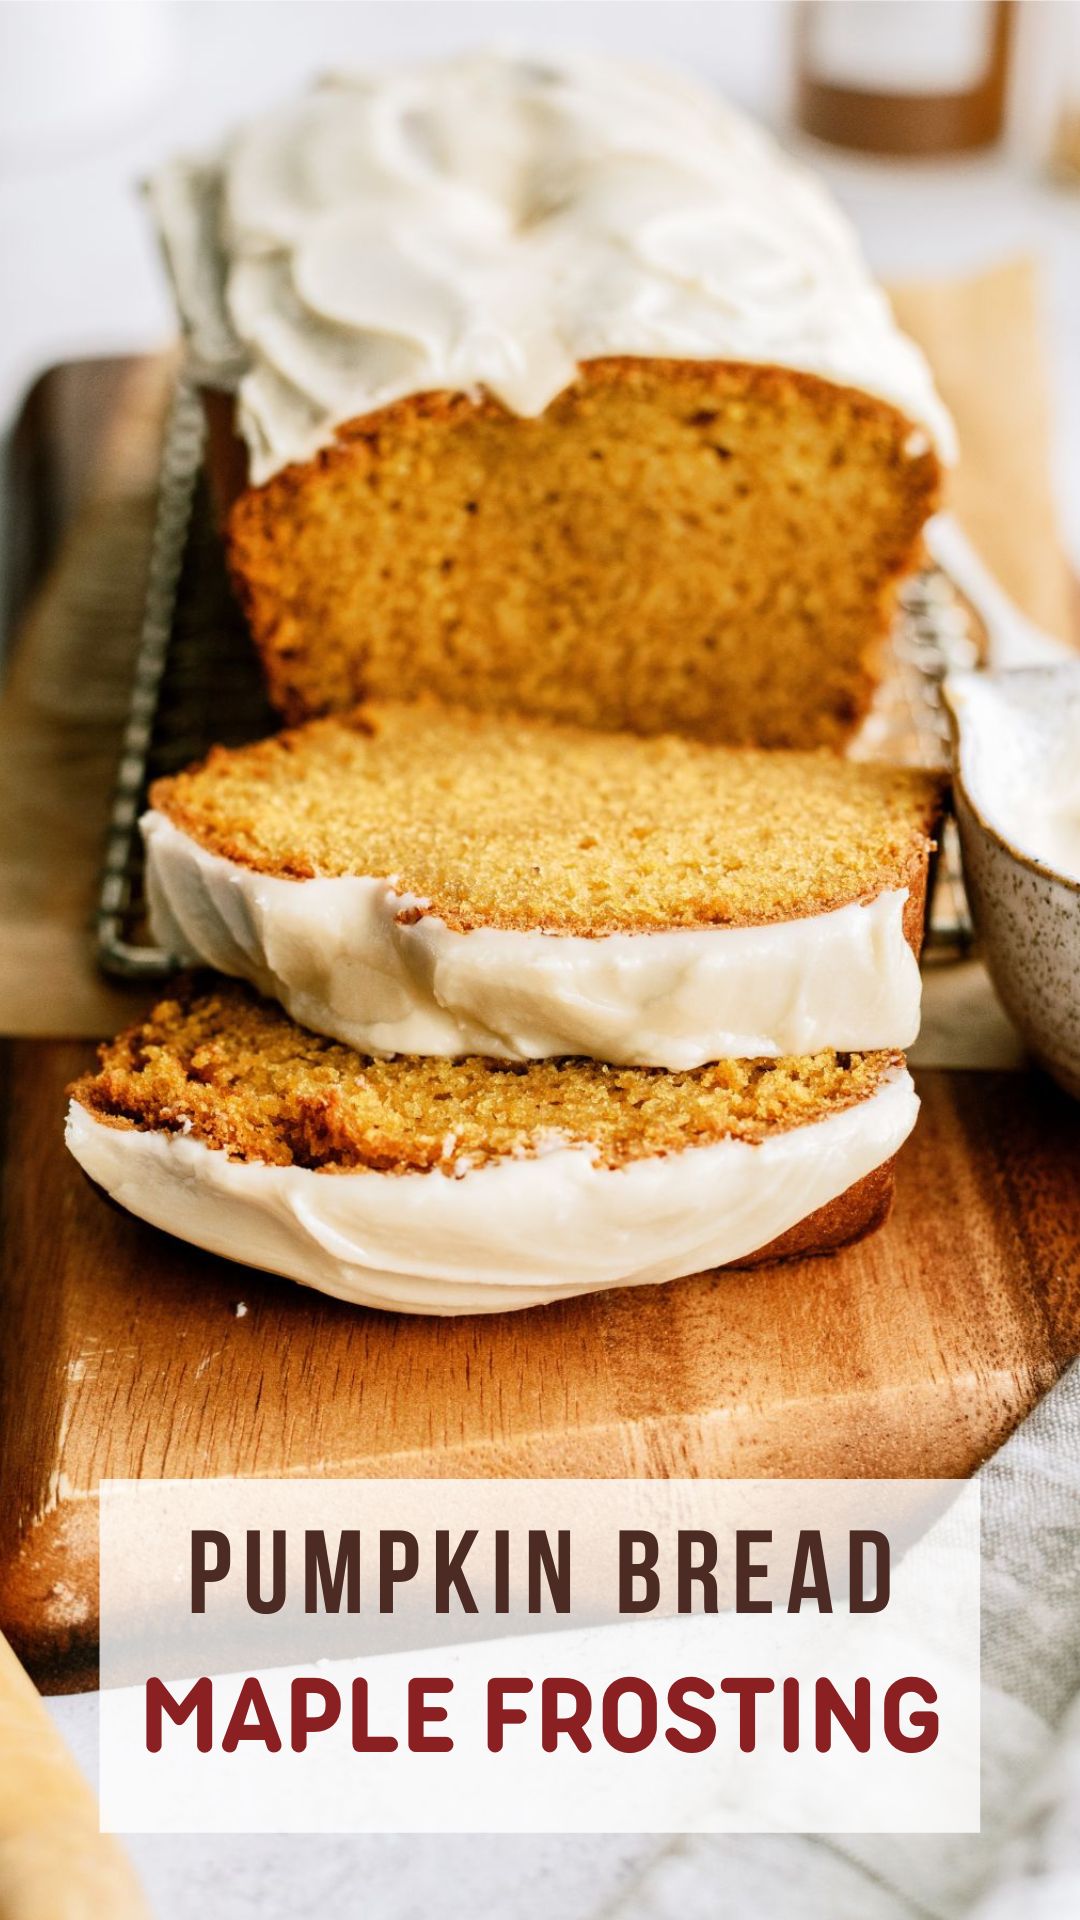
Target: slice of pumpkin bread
{"x":412,"y":878}
{"x":472,"y":1184}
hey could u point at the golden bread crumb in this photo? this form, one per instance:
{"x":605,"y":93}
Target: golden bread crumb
{"x":699,"y":547}
{"x":230,"y":1069}
{"x":522,"y":825}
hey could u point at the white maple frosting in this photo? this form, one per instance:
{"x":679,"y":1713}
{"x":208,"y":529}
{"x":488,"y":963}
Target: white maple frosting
{"x":1019,"y":731}
{"x":489,"y":223}
{"x":355,"y":958}
{"x":517,"y":1232}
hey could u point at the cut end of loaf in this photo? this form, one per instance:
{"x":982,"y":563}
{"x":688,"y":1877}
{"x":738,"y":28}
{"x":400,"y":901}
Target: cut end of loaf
{"x":705,"y":548}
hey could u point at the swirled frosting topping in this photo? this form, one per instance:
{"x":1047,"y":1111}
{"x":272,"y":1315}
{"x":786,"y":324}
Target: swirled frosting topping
{"x":490,"y":223}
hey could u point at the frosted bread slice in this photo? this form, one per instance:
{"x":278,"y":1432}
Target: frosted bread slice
{"x":418,"y":879}
{"x":474,"y":1185}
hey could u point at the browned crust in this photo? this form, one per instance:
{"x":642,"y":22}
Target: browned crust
{"x":256,"y":516}
{"x":851,"y":1216}
{"x":917,"y":905}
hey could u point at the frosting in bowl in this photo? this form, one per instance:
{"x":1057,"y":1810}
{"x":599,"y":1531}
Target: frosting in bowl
{"x":490,"y":223}
{"x":1019,"y":758}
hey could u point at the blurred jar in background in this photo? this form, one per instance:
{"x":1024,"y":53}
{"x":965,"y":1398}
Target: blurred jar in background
{"x":887,"y":76}
{"x":1044,"y":110}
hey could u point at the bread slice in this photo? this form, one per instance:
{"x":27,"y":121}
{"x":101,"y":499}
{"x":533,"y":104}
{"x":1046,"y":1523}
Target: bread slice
{"x":429,"y":880}
{"x":706,"y":548}
{"x":472,"y":1185}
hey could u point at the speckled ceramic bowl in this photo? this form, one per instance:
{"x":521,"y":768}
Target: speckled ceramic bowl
{"x":1016,"y":779}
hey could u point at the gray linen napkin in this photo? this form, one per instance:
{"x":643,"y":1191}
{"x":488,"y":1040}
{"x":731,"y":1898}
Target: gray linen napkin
{"x":1026,"y":1860}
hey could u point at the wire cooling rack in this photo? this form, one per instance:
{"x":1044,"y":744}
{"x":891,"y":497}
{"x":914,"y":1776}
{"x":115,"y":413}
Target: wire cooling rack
{"x":197,"y":682}
{"x":936,"y":632}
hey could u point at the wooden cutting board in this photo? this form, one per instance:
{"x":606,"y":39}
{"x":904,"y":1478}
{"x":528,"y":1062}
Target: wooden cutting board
{"x":125,"y":1353}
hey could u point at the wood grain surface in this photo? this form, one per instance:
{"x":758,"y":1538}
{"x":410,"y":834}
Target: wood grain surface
{"x":913,"y":1353}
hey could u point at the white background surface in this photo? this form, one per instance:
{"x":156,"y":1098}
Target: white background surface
{"x":90,"y":97}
